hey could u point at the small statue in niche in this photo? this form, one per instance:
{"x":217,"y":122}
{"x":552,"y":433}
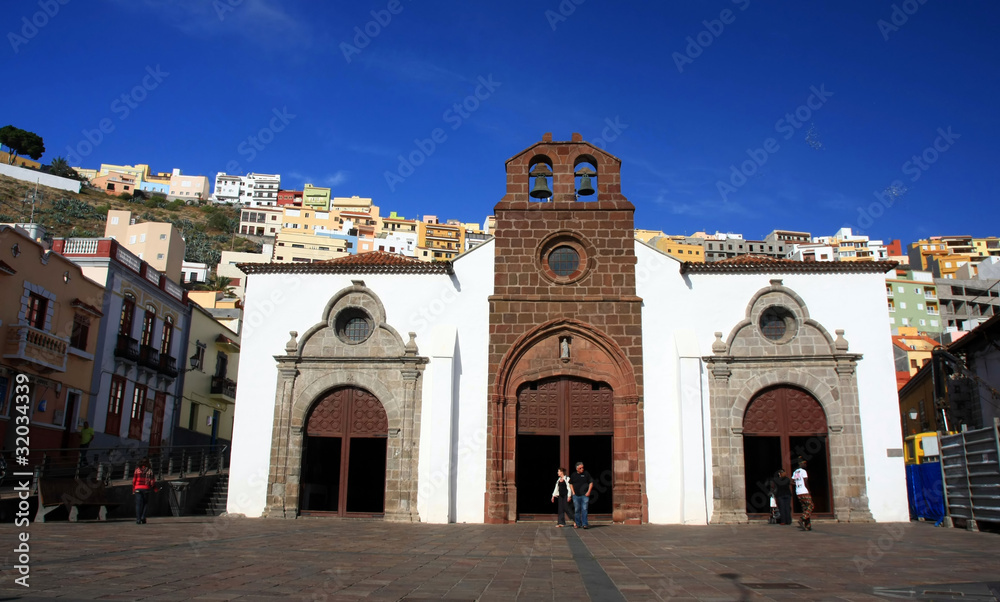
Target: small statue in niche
{"x":564,"y":349}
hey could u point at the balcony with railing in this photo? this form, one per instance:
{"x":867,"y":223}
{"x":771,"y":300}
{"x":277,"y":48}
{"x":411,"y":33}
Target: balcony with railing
{"x":168,"y":366}
{"x":44,"y":350}
{"x":930,"y":294}
{"x":149,"y":357}
{"x":127,"y":348}
{"x":223,"y":389}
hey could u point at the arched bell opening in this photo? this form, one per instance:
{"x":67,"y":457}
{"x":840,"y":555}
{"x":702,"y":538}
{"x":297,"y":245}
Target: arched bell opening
{"x":540,"y":176}
{"x":344,"y":455}
{"x":781,"y":426}
{"x":585,"y":178}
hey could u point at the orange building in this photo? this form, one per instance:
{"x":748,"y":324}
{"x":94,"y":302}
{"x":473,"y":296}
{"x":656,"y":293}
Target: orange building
{"x":50,"y":315}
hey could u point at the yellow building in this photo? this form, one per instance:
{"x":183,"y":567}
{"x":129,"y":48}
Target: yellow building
{"x":986,"y":247}
{"x":209,"y":395}
{"x":439,"y":242}
{"x":398,"y":223}
{"x":86,"y":174}
{"x":678,"y":247}
{"x":158,"y":243}
{"x":19,"y":161}
{"x":51,"y":316}
{"x":295,"y":246}
{"x":140,"y":171}
{"x":316,"y":197}
{"x":647,"y":235}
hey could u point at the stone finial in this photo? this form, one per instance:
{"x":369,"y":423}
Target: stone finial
{"x":358,"y":283}
{"x":775,"y":282}
{"x":719,"y":346}
{"x":411,"y":346}
{"x":292,"y":345}
{"x":841,"y":343}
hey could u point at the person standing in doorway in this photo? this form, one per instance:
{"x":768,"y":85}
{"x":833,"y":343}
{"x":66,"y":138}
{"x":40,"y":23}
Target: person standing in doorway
{"x":86,"y":436}
{"x":782,"y":487}
{"x":561,"y":494}
{"x":801,"y":479}
{"x":580,"y":485}
{"x":143,"y":484}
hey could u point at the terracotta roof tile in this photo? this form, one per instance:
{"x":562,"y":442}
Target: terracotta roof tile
{"x":376,"y":262}
{"x":372,"y":258}
{"x":761,"y":264}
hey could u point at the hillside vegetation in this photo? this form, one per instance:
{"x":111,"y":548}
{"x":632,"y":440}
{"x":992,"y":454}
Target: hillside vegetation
{"x":207,"y":229}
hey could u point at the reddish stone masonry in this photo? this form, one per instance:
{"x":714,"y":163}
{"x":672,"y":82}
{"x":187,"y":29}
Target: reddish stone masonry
{"x":533,"y":308}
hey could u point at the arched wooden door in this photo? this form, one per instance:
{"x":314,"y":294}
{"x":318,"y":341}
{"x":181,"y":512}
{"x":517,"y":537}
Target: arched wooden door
{"x":781,"y":425}
{"x":344,"y":455}
{"x":562,"y":421}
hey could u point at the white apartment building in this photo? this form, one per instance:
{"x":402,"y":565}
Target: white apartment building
{"x":253,"y":189}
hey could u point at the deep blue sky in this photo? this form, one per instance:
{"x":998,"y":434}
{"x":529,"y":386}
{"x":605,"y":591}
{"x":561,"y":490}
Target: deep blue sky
{"x":605,"y":62}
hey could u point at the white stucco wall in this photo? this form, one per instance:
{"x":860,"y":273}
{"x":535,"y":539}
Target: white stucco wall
{"x":33,"y":176}
{"x":429,"y":305}
{"x":677,"y":307}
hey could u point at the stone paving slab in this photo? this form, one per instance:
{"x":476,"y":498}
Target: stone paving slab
{"x":318,"y":559}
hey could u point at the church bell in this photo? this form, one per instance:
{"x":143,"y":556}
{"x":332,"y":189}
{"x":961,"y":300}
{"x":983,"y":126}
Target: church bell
{"x":541,"y":188}
{"x":586,"y":189}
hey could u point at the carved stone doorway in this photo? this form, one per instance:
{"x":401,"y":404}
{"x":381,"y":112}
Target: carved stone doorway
{"x":344,"y":455}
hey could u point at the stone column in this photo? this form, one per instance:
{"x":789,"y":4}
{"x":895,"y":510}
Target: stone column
{"x":279,"y":472}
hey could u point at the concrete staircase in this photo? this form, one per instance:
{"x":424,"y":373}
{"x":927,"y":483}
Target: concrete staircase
{"x":214,"y":504}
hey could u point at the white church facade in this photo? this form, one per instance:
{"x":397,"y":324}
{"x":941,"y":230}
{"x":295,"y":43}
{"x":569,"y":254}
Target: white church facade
{"x":379,"y":386}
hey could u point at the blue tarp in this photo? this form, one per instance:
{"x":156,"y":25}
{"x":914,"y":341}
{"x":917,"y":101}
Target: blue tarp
{"x":925,"y":491}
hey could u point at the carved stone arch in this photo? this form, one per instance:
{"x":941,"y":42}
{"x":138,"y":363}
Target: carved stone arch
{"x":321,"y":361}
{"x":819,"y":390}
{"x":312,"y":392}
{"x":356,"y":296}
{"x":512,"y":371}
{"x":592,"y":355}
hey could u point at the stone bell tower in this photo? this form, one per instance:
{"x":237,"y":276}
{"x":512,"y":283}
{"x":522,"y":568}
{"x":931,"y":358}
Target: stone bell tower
{"x":564,"y":313}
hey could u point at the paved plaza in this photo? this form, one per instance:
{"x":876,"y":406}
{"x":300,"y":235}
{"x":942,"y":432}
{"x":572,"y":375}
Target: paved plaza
{"x":335,"y":559}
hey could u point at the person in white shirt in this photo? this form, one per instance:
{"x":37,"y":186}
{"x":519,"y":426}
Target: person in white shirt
{"x":561,"y":493}
{"x":801,"y":478}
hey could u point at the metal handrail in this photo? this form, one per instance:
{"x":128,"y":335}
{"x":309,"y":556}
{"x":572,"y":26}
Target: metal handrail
{"x":118,"y":463}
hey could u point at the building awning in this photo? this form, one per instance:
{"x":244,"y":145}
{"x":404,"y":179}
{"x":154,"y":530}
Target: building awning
{"x":227,"y":343}
{"x":90,"y":309}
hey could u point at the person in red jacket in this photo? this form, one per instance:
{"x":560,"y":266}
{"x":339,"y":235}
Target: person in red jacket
{"x":143,"y":484}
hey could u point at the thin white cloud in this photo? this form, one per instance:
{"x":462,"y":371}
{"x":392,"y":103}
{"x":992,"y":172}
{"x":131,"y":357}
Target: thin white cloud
{"x":203,"y":18}
{"x":329,"y":180}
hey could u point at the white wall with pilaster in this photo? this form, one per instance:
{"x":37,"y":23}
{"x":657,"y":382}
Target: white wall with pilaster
{"x":680,"y":315}
{"x":427,"y":304}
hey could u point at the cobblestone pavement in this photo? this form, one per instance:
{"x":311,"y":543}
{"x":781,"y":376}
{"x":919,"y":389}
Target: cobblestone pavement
{"x":334,"y":559}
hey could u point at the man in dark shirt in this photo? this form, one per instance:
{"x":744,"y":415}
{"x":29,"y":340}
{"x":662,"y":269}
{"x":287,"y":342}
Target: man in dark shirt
{"x":580,"y":485}
{"x":781,"y":488}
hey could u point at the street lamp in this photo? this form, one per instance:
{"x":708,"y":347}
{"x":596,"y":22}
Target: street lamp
{"x":913,"y":414}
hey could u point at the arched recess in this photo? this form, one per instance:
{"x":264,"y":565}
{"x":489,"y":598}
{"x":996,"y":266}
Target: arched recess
{"x":344,"y":454}
{"x":331,"y":357}
{"x":799,"y":354}
{"x":781,"y":426}
{"x":565,"y":348}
